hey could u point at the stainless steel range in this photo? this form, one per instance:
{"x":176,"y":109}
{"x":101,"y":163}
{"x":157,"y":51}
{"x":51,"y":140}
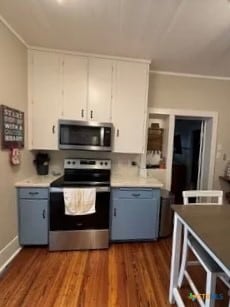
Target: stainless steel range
{"x":81,"y":231}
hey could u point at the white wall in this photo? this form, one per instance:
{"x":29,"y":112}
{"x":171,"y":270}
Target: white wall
{"x":13,"y":93}
{"x":179,"y":92}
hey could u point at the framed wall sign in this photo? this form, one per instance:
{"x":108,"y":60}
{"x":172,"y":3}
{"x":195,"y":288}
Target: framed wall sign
{"x":12,"y":127}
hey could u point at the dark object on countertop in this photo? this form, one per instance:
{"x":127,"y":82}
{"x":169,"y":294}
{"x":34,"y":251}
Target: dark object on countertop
{"x":42,"y":163}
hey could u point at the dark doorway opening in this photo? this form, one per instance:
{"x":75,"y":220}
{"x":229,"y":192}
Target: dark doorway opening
{"x":186,"y":156}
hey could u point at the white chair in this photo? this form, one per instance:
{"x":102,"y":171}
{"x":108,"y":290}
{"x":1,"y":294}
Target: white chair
{"x":211,"y":267}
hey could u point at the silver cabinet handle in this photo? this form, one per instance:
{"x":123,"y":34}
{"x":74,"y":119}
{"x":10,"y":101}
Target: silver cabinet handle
{"x":114,"y":212}
{"x":118,"y":132}
{"x":91,"y":114}
{"x":44,"y":214}
{"x":82,"y":113}
{"x":33,"y":193}
{"x":136,"y":194}
{"x":53,"y":129}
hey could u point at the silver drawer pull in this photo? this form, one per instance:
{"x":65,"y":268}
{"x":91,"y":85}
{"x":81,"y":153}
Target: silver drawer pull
{"x":44,"y":214}
{"x":136,"y":194}
{"x":33,"y":193}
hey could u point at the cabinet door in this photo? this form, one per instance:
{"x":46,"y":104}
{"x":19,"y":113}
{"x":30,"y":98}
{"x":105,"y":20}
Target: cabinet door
{"x":100,"y":90}
{"x":45,"y":87}
{"x":135,"y":219}
{"x":75,"y":70}
{"x":33,"y":221}
{"x":129,"y":107}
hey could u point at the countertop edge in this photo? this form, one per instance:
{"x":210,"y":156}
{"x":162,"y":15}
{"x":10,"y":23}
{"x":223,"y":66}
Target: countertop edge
{"x":116,"y":182}
{"x":33,"y":182}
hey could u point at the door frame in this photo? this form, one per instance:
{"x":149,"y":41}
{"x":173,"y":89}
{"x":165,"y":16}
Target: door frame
{"x":186,"y":113}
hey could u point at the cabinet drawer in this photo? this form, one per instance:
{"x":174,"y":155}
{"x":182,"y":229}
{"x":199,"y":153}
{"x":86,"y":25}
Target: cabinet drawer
{"x":34,"y":193}
{"x":131,"y":193}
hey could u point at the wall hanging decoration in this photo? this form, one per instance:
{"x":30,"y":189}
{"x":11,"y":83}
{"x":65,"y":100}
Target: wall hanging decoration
{"x":15,"y":156}
{"x":12,"y":128}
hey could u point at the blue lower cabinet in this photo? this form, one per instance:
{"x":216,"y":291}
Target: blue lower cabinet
{"x":33,"y":216}
{"x":134,"y":214}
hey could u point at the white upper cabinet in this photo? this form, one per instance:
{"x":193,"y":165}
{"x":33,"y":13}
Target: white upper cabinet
{"x":75,"y":87}
{"x":45,"y":99}
{"x":100,"y":89}
{"x":88,"y":88}
{"x":129,"y":106}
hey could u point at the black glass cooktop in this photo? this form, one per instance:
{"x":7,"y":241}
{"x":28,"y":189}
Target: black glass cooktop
{"x":62,"y":182}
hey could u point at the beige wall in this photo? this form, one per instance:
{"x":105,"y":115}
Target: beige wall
{"x":179,"y":92}
{"x":13,"y":93}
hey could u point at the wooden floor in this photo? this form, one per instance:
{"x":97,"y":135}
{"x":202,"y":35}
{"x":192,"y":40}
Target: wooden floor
{"x":125,"y":275}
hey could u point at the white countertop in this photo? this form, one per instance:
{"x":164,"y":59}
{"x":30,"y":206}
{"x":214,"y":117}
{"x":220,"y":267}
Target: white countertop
{"x":36,"y":181}
{"x":131,"y":180}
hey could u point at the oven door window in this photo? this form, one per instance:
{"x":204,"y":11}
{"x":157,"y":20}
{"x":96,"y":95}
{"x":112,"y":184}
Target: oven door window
{"x":60,"y":221}
{"x":77,"y":135}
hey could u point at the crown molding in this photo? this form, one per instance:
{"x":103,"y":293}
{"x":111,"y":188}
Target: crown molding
{"x":10,"y":28}
{"x":87,"y":54}
{"x":177,"y":74}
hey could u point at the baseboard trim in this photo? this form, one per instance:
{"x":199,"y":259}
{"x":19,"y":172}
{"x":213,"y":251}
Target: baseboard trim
{"x":8,"y":253}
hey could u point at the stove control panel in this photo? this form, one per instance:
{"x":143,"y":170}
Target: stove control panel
{"x":86,"y":164}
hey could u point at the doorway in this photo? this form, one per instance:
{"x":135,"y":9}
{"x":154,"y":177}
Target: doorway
{"x":187,"y":152}
{"x":209,"y":132}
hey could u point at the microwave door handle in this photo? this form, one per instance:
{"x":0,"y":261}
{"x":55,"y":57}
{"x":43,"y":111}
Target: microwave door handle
{"x":102,"y":135}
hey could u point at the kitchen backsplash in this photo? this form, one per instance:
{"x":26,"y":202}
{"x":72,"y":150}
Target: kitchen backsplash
{"x":121,"y":163}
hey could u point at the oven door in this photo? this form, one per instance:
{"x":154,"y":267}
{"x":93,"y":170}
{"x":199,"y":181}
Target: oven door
{"x":96,"y":221}
{"x":84,"y":135}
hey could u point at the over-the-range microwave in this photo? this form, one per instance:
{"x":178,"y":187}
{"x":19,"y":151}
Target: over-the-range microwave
{"x":83,"y":135}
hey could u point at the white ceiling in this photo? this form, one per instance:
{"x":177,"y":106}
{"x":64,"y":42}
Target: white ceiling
{"x":186,"y":36}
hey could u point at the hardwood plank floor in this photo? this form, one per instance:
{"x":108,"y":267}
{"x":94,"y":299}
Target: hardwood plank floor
{"x":132,"y":275}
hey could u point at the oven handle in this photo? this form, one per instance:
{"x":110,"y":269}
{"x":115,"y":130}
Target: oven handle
{"x":98,"y":189}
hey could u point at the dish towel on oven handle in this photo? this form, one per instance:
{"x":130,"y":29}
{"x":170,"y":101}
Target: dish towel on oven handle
{"x":79,"y":201}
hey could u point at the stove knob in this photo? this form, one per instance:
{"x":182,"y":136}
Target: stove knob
{"x":68,"y":162}
{"x":73,"y":162}
{"x":101,"y":163}
{"x":106,"y":163}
